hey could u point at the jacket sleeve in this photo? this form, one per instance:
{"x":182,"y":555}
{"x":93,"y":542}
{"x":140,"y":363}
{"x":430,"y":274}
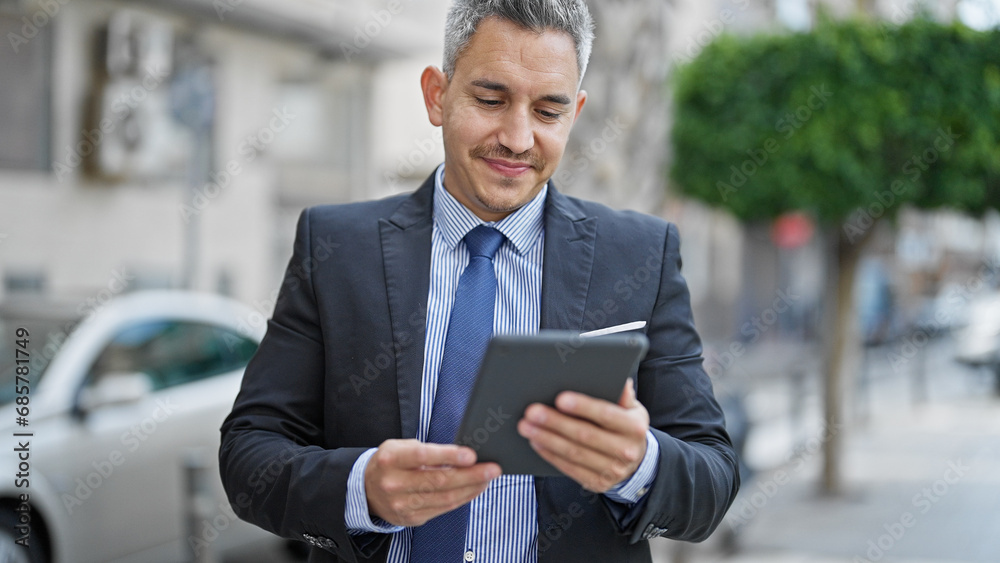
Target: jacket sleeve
{"x":275,"y":467}
{"x":697,"y":477}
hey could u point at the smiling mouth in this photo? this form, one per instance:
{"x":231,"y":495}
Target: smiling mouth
{"x":504,"y":162}
{"x":508,"y":168}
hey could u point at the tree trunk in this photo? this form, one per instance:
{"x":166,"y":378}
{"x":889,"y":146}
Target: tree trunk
{"x":864,"y":7}
{"x":845,"y":255}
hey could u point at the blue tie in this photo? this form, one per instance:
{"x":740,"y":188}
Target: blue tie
{"x":442,"y":539}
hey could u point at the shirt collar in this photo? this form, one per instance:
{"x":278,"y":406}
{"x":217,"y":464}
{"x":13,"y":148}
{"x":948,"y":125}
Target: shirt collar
{"x":453,"y":220}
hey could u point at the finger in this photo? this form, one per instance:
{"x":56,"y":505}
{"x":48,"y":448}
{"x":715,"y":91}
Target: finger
{"x":580,"y":453}
{"x":597,"y":481}
{"x":432,"y":480}
{"x":416,"y":508}
{"x":603,"y":413}
{"x":620,"y":460}
{"x":411,"y":454}
{"x":586,"y":434}
{"x":438,"y":502}
{"x":453,"y":478}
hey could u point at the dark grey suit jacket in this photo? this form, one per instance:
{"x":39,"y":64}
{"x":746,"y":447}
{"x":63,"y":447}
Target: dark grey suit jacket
{"x":339,"y":371}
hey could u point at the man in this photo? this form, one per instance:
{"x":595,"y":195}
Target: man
{"x":340,"y":435}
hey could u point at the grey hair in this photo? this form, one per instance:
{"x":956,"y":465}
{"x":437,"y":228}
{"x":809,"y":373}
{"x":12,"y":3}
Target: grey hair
{"x":571,"y":16}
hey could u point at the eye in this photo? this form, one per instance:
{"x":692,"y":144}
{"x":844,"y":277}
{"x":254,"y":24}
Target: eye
{"x":550,"y":115}
{"x":488,"y":103}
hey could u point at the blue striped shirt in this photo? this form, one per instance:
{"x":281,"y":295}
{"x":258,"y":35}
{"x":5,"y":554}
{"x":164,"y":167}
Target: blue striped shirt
{"x":502,"y":520}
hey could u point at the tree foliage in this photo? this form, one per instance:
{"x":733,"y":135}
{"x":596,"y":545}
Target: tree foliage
{"x":854,"y":115}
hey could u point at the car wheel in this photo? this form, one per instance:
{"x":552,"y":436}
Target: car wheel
{"x":10,"y":550}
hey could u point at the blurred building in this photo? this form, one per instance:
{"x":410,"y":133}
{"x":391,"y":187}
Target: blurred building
{"x":172,"y":143}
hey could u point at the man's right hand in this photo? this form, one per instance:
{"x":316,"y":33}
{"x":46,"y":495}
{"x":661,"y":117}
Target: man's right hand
{"x":408,"y":482}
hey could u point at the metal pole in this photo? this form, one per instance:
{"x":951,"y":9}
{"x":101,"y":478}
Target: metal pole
{"x":199,"y":506}
{"x":798,"y":398}
{"x":919,"y":374}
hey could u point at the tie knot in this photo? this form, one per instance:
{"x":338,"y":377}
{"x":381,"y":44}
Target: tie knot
{"x":483,"y":241}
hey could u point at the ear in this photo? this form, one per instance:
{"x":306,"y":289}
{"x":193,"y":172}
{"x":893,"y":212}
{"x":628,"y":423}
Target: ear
{"x":434,"y":83}
{"x":581,"y":98}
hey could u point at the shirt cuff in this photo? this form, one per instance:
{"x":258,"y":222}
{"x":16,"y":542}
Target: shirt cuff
{"x":357,"y":519}
{"x":635,"y":487}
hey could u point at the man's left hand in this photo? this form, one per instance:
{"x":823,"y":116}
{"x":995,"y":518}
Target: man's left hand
{"x":596,"y":443}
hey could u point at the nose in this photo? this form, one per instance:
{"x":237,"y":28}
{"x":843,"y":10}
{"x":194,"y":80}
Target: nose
{"x":515,"y":131}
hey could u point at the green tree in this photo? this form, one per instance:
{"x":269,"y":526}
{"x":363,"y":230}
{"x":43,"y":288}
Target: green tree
{"x":847,"y":123}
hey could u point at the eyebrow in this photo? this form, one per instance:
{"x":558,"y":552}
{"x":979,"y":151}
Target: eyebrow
{"x":498,"y":87}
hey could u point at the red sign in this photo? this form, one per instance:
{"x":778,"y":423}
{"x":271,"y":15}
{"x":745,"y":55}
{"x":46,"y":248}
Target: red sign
{"x":792,"y":230}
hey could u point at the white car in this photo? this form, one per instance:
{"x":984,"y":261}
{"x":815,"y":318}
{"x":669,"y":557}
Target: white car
{"x":977,"y":344}
{"x":139,"y":387}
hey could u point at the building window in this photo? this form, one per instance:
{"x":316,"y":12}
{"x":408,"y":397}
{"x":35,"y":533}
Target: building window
{"x":321,"y":150}
{"x":25,"y":89}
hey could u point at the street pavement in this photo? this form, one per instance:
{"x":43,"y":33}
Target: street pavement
{"x":921,"y":472}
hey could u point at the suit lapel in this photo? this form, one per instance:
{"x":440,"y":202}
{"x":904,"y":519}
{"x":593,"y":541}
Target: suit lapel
{"x":569,"y":259}
{"x":406,"y":255}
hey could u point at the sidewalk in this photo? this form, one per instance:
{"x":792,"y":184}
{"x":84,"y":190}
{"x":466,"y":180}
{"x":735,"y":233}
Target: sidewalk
{"x":922,"y":481}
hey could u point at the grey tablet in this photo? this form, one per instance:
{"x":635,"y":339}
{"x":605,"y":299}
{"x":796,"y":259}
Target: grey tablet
{"x":519,"y":370}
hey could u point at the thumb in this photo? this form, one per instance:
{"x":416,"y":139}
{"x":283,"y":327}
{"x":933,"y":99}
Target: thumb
{"x":628,"y":400}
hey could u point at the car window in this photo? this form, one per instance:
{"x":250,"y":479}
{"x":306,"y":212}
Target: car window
{"x":173,"y":352}
{"x":47,"y":336}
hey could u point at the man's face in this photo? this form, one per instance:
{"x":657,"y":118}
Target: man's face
{"x":506,"y":114}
